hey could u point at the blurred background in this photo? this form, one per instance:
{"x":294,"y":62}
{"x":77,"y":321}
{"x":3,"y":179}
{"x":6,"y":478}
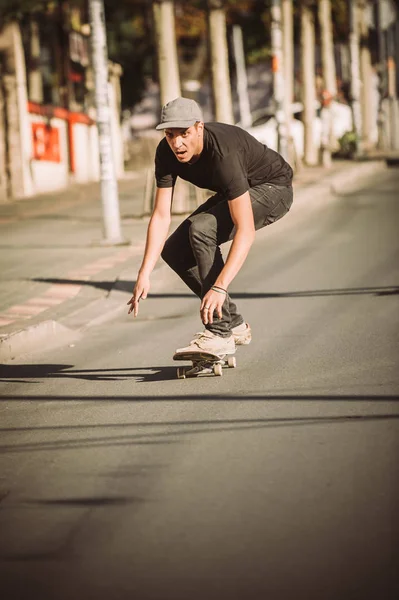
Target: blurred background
{"x":312,"y":79}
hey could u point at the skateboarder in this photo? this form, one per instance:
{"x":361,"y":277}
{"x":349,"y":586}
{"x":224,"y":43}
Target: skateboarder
{"x":253,"y":188}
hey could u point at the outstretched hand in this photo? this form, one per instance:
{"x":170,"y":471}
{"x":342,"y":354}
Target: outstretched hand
{"x":212,"y":302}
{"x":140,"y":292}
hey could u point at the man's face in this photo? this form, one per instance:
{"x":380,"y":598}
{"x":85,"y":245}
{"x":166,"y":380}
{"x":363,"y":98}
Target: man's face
{"x":186,"y":144}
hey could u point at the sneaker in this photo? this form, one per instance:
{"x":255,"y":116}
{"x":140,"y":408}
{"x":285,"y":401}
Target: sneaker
{"x":242,"y":334}
{"x":209,"y":342}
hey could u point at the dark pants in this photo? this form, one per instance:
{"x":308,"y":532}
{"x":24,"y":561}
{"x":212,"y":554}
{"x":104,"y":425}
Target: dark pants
{"x":193,"y":248}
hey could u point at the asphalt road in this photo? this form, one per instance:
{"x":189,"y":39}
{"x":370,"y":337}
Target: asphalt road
{"x":278,"y":480}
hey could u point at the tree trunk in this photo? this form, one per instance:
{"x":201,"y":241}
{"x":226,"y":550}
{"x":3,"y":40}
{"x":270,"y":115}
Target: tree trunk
{"x":382,"y":75}
{"x":35,"y":74}
{"x":308,"y":82}
{"x":164,"y":22}
{"x":366,"y":74}
{"x":392,"y":86}
{"x":220,"y":62}
{"x":327,"y":47}
{"x":329,"y":80}
{"x":355,"y":73}
{"x":278,"y":77}
{"x":18,"y":151}
{"x":169,"y":79}
{"x":241,"y":74}
{"x":288,"y":66}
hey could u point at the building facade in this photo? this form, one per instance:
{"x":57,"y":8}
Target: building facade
{"x":48,"y":133}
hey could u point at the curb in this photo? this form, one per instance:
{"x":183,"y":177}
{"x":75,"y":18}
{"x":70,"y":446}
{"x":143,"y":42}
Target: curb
{"x":337,"y":185}
{"x":349,"y":180}
{"x":49,"y":333}
{"x":344,"y":182}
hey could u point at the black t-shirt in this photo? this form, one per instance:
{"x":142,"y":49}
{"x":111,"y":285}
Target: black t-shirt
{"x":231,"y":162}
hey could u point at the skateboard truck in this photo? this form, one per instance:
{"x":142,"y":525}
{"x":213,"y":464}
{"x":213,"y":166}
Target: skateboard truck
{"x":203,"y":363}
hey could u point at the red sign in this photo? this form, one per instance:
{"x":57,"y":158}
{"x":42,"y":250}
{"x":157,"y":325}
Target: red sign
{"x":46,"y":142}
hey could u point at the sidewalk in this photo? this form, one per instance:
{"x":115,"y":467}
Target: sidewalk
{"x":57,"y":278}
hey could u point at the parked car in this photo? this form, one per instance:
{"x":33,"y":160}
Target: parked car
{"x":341,"y":116}
{"x":264,"y":129}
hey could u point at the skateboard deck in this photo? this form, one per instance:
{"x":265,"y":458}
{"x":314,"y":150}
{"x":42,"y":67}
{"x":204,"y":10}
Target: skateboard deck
{"x":203,"y":363}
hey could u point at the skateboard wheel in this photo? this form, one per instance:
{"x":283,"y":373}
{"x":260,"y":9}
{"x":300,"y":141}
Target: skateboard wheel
{"x":232,"y":362}
{"x":181,"y":373}
{"x":217,"y":369}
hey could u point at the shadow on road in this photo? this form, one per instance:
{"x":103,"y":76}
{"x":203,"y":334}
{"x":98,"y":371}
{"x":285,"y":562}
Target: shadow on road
{"x":27,"y":373}
{"x":127,"y":286}
{"x":157,"y":432}
{"x":162,"y":432}
{"x":32,"y":373}
{"x":101,"y":285}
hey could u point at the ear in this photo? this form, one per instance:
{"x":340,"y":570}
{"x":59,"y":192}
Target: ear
{"x":200,"y":127}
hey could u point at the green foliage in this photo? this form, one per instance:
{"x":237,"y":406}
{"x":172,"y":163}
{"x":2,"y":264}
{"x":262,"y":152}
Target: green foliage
{"x":340,"y":19}
{"x":191,"y":20}
{"x":130,"y":43}
{"x":259,"y":55}
{"x":131,"y":39}
{"x":16,"y":9}
{"x":347,"y":145}
{"x":252,"y":15}
{"x":254,"y":19}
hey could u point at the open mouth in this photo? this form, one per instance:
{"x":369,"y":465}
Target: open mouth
{"x":181,"y":153}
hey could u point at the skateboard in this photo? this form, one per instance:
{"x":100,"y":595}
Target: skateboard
{"x":203,"y":363}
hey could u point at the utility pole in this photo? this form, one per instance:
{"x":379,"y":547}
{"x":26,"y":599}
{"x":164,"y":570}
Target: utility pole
{"x":278,"y":77}
{"x":109,"y":187}
{"x":354,"y":52}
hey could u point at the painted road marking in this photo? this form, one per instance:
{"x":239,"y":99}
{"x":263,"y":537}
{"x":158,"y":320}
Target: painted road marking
{"x":61,"y":292}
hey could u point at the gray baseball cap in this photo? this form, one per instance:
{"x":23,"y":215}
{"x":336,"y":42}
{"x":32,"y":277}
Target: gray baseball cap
{"x":180,"y":113}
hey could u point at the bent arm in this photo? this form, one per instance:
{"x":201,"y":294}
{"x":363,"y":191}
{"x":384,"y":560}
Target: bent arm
{"x":157,"y":232}
{"x":158,"y":229}
{"x":242,"y":216}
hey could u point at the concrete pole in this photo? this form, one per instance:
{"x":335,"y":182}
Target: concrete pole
{"x":354,"y":52}
{"x":308,"y":82}
{"x":289,"y":72}
{"x":278,"y":77}
{"x":108,"y":182}
{"x":168,"y":69}
{"x":220,"y":64}
{"x":241,"y":73}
